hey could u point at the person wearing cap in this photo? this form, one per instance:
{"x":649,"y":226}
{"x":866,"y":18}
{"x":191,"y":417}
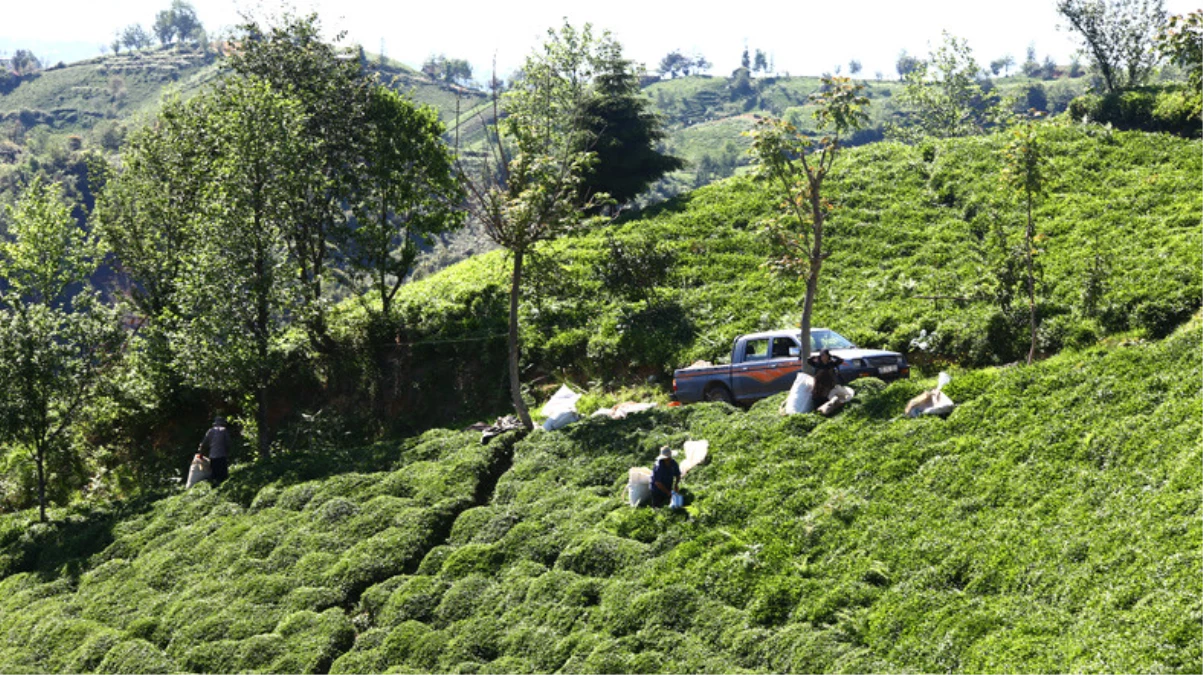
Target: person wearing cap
{"x":217,"y":443}
{"x":666,"y":478}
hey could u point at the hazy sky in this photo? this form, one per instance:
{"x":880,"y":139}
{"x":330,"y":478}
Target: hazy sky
{"x":804,"y":37}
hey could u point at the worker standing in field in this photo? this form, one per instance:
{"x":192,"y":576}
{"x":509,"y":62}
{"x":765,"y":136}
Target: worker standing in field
{"x":666,"y":478}
{"x":217,"y":443}
{"x":825,"y":366}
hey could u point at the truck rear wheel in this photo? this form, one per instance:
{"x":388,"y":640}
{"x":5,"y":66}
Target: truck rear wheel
{"x":719,"y":392}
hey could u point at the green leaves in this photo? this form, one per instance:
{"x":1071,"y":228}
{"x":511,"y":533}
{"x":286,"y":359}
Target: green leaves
{"x":944,"y":97}
{"x":47,"y":251}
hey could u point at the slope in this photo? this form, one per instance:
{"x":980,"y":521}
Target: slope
{"x":1050,"y":524}
{"x":916,"y":265}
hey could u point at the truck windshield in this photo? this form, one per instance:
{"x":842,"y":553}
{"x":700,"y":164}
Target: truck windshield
{"x":828,"y":339}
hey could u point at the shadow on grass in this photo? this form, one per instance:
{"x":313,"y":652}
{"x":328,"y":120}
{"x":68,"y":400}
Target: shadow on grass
{"x":290,"y":468}
{"x":63,"y":546}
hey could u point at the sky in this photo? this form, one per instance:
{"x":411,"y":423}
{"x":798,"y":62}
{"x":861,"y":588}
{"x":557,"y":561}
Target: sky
{"x":802,"y":37}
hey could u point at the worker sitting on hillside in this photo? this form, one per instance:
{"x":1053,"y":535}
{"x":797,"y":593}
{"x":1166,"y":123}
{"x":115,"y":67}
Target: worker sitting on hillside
{"x":825,"y":366}
{"x":666,"y":478}
{"x":217,"y":442}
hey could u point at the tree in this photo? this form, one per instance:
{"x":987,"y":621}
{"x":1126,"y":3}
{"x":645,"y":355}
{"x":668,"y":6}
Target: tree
{"x":55,"y":338}
{"x":178,"y":23}
{"x":240,"y":292}
{"x":745,"y":61}
{"x":527,"y":187}
{"x":25,"y":63}
{"x":1031,"y":67}
{"x":164,"y":27}
{"x":407,"y":192}
{"x":943,"y":97}
{"x":761,"y":63}
{"x":115,"y":45}
{"x":674,"y":63}
{"x":134,"y":36}
{"x":853,"y":67}
{"x":1026,"y":171}
{"x":796,"y":172}
{"x":906,"y":64}
{"x":333,"y":92}
{"x":1048,"y":70}
{"x":1179,"y":41}
{"x":621,"y":129}
{"x":996,"y":66}
{"x":1118,"y":35}
{"x":700,"y":64}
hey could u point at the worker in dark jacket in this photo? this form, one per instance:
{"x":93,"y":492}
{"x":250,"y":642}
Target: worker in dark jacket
{"x":666,"y":478}
{"x":825,"y":366}
{"x":217,"y":443}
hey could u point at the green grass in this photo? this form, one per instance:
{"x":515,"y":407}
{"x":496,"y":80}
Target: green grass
{"x":1050,"y":524}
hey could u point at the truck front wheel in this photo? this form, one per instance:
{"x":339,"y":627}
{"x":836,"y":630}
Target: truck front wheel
{"x":719,"y":392}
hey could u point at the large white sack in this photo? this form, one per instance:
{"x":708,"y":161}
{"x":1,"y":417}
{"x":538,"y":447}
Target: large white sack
{"x":695,"y":454}
{"x":560,"y":410}
{"x":639,"y":485}
{"x":798,"y":400}
{"x":200,"y":470}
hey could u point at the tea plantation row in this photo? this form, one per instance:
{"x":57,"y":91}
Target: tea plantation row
{"x":1050,"y":524}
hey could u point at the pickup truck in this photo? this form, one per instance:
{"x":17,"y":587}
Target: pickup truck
{"x":763,"y":364}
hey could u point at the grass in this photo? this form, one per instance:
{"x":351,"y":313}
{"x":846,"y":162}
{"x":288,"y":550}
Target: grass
{"x":1050,"y":524}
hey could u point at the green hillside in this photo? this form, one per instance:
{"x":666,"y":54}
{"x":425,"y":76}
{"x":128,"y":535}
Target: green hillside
{"x":1050,"y":524}
{"x":1120,"y":252}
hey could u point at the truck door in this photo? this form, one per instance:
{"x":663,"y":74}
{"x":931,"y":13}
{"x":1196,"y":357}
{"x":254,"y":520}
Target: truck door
{"x":766,"y":368}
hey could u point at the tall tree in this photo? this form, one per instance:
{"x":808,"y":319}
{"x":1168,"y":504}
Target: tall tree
{"x":761,"y":62}
{"x":944,"y":98}
{"x":1026,"y":171}
{"x":147,"y":215}
{"x":55,"y":336}
{"x":240,"y":293}
{"x":332,"y":89}
{"x":906,"y":64}
{"x":789,"y":162}
{"x":527,"y":187}
{"x":1119,"y":36}
{"x":621,"y":129}
{"x":407,"y":192}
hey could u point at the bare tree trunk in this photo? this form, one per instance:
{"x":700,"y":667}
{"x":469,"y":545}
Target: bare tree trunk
{"x":1031,"y":283}
{"x":515,"y":383}
{"x":812,"y":276}
{"x":39,"y":452}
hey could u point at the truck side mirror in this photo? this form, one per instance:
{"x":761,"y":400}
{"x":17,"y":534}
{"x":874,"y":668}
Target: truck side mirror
{"x":795,"y":351}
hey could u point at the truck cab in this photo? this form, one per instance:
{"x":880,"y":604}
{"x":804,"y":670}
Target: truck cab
{"x":763,"y":364}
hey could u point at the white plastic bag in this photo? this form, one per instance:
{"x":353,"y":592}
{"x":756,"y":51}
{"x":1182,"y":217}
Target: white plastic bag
{"x":200,"y":470}
{"x":677,"y":502}
{"x":933,"y":402}
{"x":639,"y":485}
{"x":695,"y":454}
{"x":798,"y":400}
{"x":560,"y":410}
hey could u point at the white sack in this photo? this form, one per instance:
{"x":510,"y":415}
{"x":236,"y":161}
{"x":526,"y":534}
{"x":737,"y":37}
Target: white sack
{"x":639,"y":485}
{"x":695,"y":454}
{"x":200,"y":470}
{"x":933,"y":402}
{"x":798,"y":400}
{"x":560,"y":410}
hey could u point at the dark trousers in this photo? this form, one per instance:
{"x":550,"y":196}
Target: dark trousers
{"x":221,"y":468}
{"x":659,"y":498}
